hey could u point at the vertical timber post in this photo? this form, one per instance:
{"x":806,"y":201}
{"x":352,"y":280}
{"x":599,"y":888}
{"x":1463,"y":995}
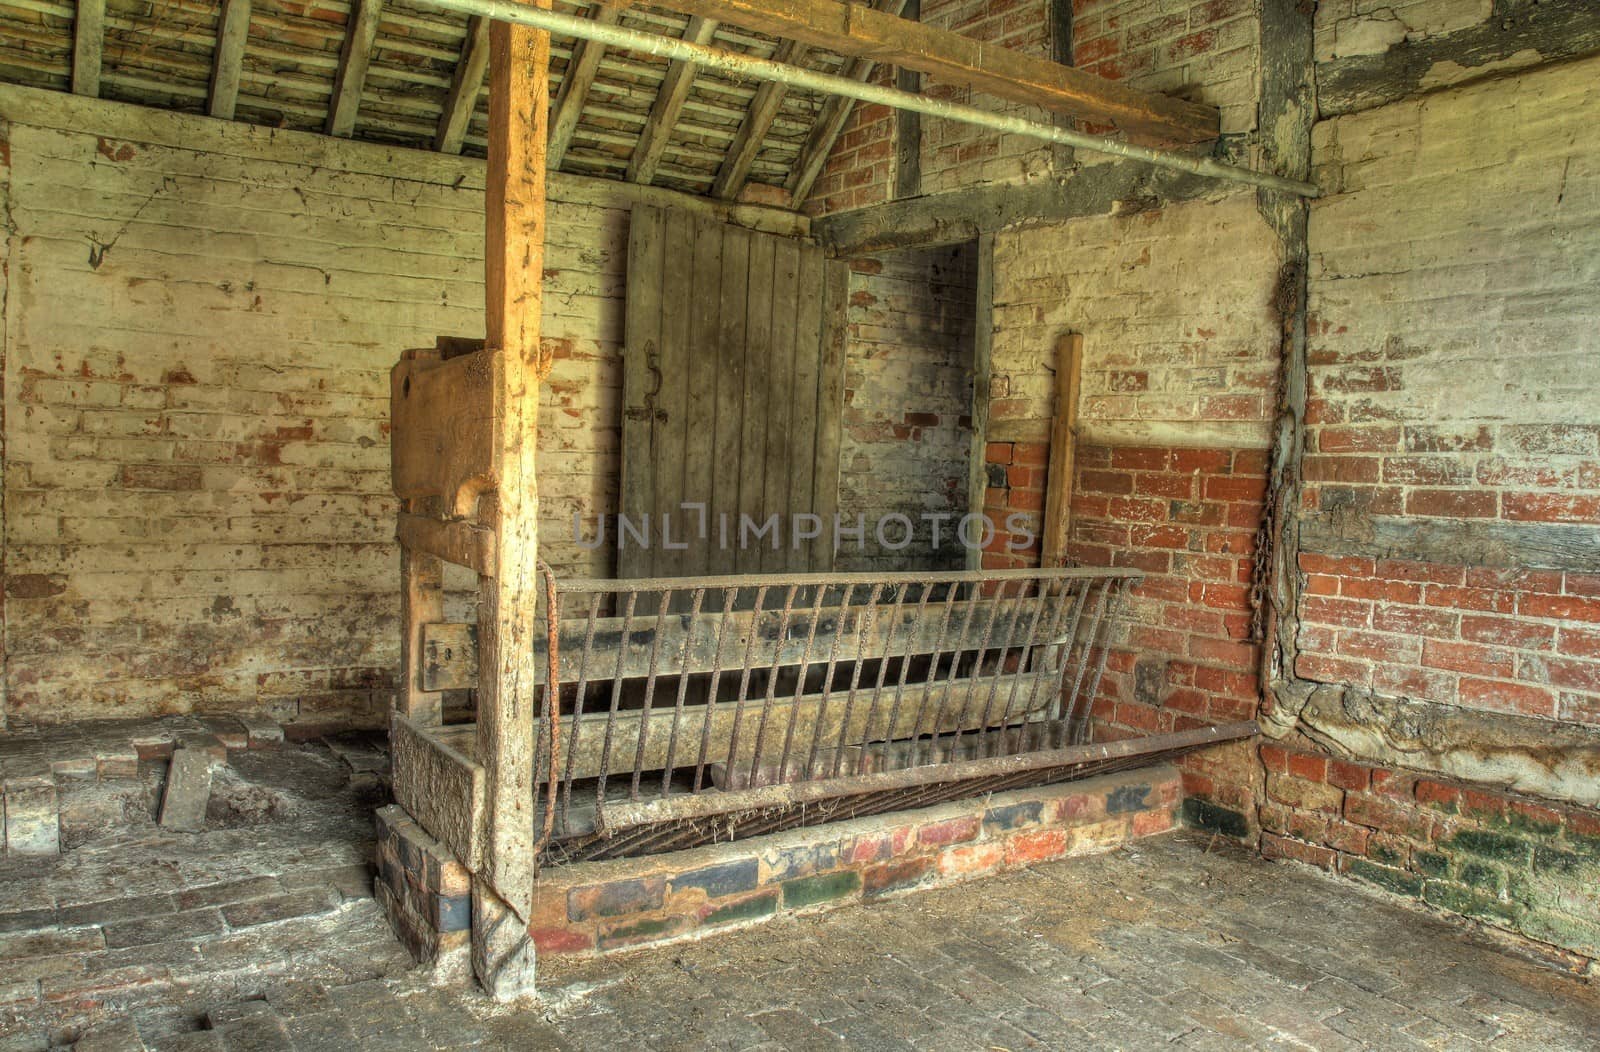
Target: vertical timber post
{"x":1063,"y":451}
{"x":982,"y":378}
{"x":519,"y":100}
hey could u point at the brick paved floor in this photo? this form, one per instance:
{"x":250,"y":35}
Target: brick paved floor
{"x":1161,"y":945}
{"x":260,"y":933}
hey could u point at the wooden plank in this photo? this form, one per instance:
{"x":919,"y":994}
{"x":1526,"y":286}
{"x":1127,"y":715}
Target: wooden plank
{"x":701,"y":362}
{"x":460,"y":542}
{"x":670,"y":437}
{"x":669,"y":102}
{"x":519,"y":107}
{"x":88,"y":46}
{"x":233,"y":29}
{"x":641,"y":378}
{"x":781,"y":393}
{"x":1063,"y":447}
{"x":361,"y":31}
{"x":466,"y":84}
{"x":953,"y":59}
{"x":449,"y":656}
{"x":982,"y":371}
{"x":757,"y":356}
{"x":730,"y":381}
{"x":963,"y":703}
{"x":830,"y":122}
{"x":421,"y":602}
{"x":808,"y":349}
{"x":443,"y":418}
{"x":752,"y":133}
{"x":575,"y":84}
{"x":830,"y":407}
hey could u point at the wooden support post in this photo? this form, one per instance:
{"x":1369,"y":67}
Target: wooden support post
{"x":360,"y":35}
{"x":1063,"y":450}
{"x":668,"y":105}
{"x":233,"y":27}
{"x":465,"y":86}
{"x":982,"y":368}
{"x":88,"y":46}
{"x":519,"y":110}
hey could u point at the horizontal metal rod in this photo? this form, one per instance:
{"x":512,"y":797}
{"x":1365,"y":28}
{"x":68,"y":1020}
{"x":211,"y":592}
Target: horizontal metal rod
{"x":624,"y":815}
{"x":829,"y":84}
{"x":807,"y":580}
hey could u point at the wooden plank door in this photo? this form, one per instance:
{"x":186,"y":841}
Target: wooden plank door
{"x":733,"y":386}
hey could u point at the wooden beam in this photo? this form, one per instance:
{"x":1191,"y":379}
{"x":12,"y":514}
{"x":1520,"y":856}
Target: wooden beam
{"x":831,"y":121}
{"x":575,"y":85}
{"x":753,"y":129}
{"x":360,"y":33}
{"x":519,"y":111}
{"x":88,"y":46}
{"x":982,"y":376}
{"x":233,"y":28}
{"x":668,"y":105}
{"x":953,"y":59}
{"x":466,"y":84}
{"x":1063,"y":451}
{"x":908,"y":125}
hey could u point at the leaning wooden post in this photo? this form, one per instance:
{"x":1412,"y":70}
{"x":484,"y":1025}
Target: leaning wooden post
{"x":519,"y":98}
{"x":1063,"y":440}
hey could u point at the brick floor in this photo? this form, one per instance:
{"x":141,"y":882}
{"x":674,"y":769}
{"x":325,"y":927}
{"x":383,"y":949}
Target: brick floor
{"x":260,"y":933}
{"x":1163,"y":945}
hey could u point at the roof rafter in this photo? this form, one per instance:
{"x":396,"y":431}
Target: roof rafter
{"x":88,"y":46}
{"x":465,"y":86}
{"x":360,"y":33}
{"x":764,"y":108}
{"x":830,"y":123}
{"x":860,"y":31}
{"x":668,"y":105}
{"x":575,"y":85}
{"x":227,"y":62}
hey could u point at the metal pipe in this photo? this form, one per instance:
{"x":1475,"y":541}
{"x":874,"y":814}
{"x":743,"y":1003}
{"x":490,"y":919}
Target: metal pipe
{"x":828,"y":84}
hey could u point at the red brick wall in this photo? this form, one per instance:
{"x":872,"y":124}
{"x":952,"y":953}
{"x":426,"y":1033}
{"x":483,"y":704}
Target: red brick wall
{"x":1518,"y":641}
{"x":1454,"y":395}
{"x":1508,"y":861}
{"x":1206,"y":49}
{"x":1014,"y":496}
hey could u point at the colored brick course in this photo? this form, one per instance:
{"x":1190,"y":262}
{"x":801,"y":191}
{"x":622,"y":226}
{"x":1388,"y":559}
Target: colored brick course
{"x":630,"y":902}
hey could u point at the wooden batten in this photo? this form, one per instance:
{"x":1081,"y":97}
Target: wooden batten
{"x":88,"y":46}
{"x":466,"y":84}
{"x":669,"y":102}
{"x":233,"y":28}
{"x":1063,"y":449}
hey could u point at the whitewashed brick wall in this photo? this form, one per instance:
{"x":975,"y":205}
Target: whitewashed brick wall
{"x":1180,"y":345}
{"x":199,"y":328}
